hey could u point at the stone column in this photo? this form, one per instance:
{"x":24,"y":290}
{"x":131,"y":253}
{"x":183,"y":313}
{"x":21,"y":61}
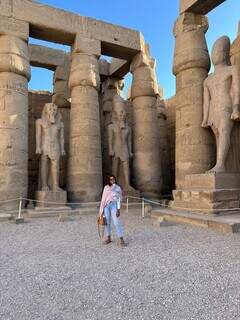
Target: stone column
{"x":61,"y":92}
{"x":85,"y":158}
{"x":194,"y":145}
{"x":14,"y":76}
{"x":146,"y":160}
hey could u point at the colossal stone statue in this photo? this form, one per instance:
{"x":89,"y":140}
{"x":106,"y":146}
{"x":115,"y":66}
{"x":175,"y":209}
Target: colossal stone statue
{"x":120,"y":141}
{"x":110,"y":88}
{"x":50,"y":144}
{"x":221,"y":100}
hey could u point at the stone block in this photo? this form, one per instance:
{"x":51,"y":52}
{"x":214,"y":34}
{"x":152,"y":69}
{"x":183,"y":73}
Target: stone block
{"x":215,"y":201}
{"x":84,"y":71}
{"x":57,"y":25}
{"x":199,"y":6}
{"x":14,"y":56}
{"x":17,"y":28}
{"x":119,"y":68}
{"x":51,"y":198}
{"x":6,"y":8}
{"x":213,"y":181}
{"x":48,"y":58}
{"x":85,"y":45}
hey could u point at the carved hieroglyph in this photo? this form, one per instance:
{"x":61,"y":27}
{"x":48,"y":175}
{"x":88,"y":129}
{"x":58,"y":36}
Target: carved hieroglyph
{"x":50,"y":144}
{"x":120,"y":142}
{"x":221,"y":100}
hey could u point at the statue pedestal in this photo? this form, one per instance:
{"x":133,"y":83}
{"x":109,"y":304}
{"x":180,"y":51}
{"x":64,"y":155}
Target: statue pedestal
{"x":51,"y":198}
{"x":214,"y":193}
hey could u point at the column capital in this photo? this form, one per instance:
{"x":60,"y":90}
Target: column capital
{"x":188,"y":22}
{"x":191,"y":49}
{"x":86,"y":45}
{"x":13,"y":27}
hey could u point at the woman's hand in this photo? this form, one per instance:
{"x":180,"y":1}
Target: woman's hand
{"x":118,"y":213}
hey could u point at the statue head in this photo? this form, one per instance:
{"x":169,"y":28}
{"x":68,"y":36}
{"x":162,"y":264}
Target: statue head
{"x":119,"y":109}
{"x":51,"y":113}
{"x":221,"y":51}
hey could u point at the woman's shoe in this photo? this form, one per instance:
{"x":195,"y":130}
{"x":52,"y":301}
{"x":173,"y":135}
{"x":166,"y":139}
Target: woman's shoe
{"x":108,"y":240}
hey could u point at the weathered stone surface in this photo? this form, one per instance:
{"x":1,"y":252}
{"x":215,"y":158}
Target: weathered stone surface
{"x":14,"y":137}
{"x":144,"y":76}
{"x":14,"y":56}
{"x":84,"y":71}
{"x":89,"y":46}
{"x":194,"y":145}
{"x":213,"y":181}
{"x":209,"y":193}
{"x":51,"y":198}
{"x":144,"y":91}
{"x":199,"y":6}
{"x":57,"y":25}
{"x":6,"y":8}
{"x":14,"y":72}
{"x":85,"y":159}
{"x":146,"y":162}
{"x":119,"y":68}
{"x":11,"y":26}
{"x":45,"y":57}
{"x":221,"y":101}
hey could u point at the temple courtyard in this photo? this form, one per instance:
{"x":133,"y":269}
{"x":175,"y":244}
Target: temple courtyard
{"x":60,"y":270}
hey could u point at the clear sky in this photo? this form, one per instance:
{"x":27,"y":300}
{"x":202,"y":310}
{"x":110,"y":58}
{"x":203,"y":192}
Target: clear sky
{"x":155,"y":19}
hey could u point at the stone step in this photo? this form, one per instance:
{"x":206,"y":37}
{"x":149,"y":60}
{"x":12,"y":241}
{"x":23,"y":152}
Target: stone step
{"x":5,"y":217}
{"x":51,"y":212}
{"x":227,"y":223}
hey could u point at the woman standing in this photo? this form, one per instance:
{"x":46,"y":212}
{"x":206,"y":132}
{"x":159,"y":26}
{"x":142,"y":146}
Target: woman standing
{"x":110,"y":208}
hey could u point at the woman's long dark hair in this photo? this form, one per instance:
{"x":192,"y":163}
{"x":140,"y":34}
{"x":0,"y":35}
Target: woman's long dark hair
{"x":108,"y":179}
